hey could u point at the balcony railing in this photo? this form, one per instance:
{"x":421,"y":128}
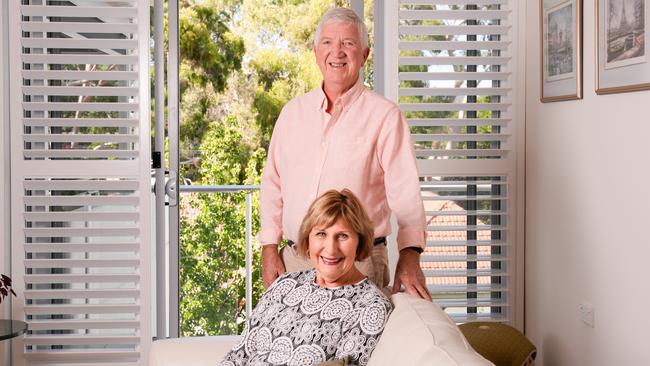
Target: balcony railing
{"x":249,"y":191}
{"x":464,"y":261}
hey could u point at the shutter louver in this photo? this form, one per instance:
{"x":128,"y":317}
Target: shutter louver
{"x":455,"y":88}
{"x":465,"y":259}
{"x":81,"y":180}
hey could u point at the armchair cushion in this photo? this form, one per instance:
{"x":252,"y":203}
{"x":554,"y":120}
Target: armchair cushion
{"x":418,"y":332}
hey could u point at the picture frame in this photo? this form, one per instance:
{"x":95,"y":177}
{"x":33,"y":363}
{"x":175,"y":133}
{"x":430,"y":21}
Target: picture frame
{"x":622,"y":60}
{"x":560,"y":50}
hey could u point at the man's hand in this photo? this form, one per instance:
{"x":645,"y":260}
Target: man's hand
{"x":409,"y":274}
{"x":272,"y":266}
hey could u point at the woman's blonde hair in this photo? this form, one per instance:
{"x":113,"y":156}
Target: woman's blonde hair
{"x":331,"y":206}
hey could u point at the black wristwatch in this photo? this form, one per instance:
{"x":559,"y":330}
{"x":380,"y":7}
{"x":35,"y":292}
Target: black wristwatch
{"x":417,"y":249}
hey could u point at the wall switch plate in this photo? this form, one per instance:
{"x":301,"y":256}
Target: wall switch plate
{"x":587,"y":313}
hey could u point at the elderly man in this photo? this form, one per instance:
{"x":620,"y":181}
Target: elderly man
{"x":342,"y":135}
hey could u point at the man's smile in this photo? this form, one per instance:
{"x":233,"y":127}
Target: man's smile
{"x":337,"y":65}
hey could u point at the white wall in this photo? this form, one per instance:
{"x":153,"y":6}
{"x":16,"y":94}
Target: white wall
{"x":587,"y":217}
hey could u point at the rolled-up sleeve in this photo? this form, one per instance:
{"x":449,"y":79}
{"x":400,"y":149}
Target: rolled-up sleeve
{"x":397,"y":159}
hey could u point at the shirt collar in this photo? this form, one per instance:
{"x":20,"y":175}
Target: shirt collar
{"x":347,"y":98}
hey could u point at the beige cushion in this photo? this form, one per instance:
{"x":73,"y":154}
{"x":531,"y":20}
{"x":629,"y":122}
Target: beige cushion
{"x":418,"y":332}
{"x":191,"y":351}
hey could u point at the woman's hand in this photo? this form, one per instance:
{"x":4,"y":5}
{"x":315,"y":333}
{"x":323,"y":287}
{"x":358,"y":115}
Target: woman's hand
{"x":272,"y":266}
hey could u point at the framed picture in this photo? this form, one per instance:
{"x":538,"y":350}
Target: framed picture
{"x":623,"y":63}
{"x":561,"y":50}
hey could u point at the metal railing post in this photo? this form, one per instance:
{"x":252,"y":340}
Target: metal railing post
{"x":249,"y":254}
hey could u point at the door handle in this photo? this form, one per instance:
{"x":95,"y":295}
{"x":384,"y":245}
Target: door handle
{"x":171,"y":188}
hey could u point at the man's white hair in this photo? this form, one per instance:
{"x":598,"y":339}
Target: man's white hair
{"x":343,"y":15}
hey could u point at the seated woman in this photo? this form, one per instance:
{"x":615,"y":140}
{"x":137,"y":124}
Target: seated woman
{"x":331,"y":312}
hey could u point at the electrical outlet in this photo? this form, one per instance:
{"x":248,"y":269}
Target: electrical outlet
{"x":587,"y":313}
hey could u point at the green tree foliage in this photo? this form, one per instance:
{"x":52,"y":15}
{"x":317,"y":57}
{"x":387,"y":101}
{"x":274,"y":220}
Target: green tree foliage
{"x":209,"y":54}
{"x":209,"y":51}
{"x":281,"y":75}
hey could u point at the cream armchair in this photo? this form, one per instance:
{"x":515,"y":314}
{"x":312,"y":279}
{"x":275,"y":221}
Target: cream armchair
{"x":418,"y":332}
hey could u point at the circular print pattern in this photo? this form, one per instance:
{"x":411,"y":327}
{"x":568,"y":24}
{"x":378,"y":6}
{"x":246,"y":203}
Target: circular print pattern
{"x":280,"y":351}
{"x":305,"y":330}
{"x":270,"y":313}
{"x":306,"y":355}
{"x":348,"y":291}
{"x":283,"y":288}
{"x":373,"y":318}
{"x":297,"y":295}
{"x":285,"y":320}
{"x":366,"y":350}
{"x":338,"y":308}
{"x":351,"y":319}
{"x":350,"y":344}
{"x":315,"y":301}
{"x":238,"y":357}
{"x":258,"y":341}
{"x":368,"y":298}
{"x":264,"y":303}
{"x":257,"y":360}
{"x":329,"y":335}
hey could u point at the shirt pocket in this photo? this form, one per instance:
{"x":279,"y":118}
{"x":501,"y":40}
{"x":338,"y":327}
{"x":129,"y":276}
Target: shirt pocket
{"x":354,"y":152}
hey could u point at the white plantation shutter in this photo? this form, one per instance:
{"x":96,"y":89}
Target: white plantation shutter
{"x":81,"y":185}
{"x":454,"y":82}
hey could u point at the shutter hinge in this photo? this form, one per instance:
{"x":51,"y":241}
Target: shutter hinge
{"x":156,"y":160}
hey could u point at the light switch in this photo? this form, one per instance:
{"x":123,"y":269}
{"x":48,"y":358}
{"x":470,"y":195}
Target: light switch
{"x":587,"y":313}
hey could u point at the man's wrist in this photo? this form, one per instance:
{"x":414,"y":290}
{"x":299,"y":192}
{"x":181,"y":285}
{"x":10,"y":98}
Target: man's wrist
{"x":269,"y":248}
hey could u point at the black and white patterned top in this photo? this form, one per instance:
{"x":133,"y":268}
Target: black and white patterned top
{"x":299,"y":323}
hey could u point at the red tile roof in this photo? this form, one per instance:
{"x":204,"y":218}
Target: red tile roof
{"x":451,"y":235}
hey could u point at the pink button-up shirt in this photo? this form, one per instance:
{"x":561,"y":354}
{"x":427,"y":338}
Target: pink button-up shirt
{"x":363,"y":145}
